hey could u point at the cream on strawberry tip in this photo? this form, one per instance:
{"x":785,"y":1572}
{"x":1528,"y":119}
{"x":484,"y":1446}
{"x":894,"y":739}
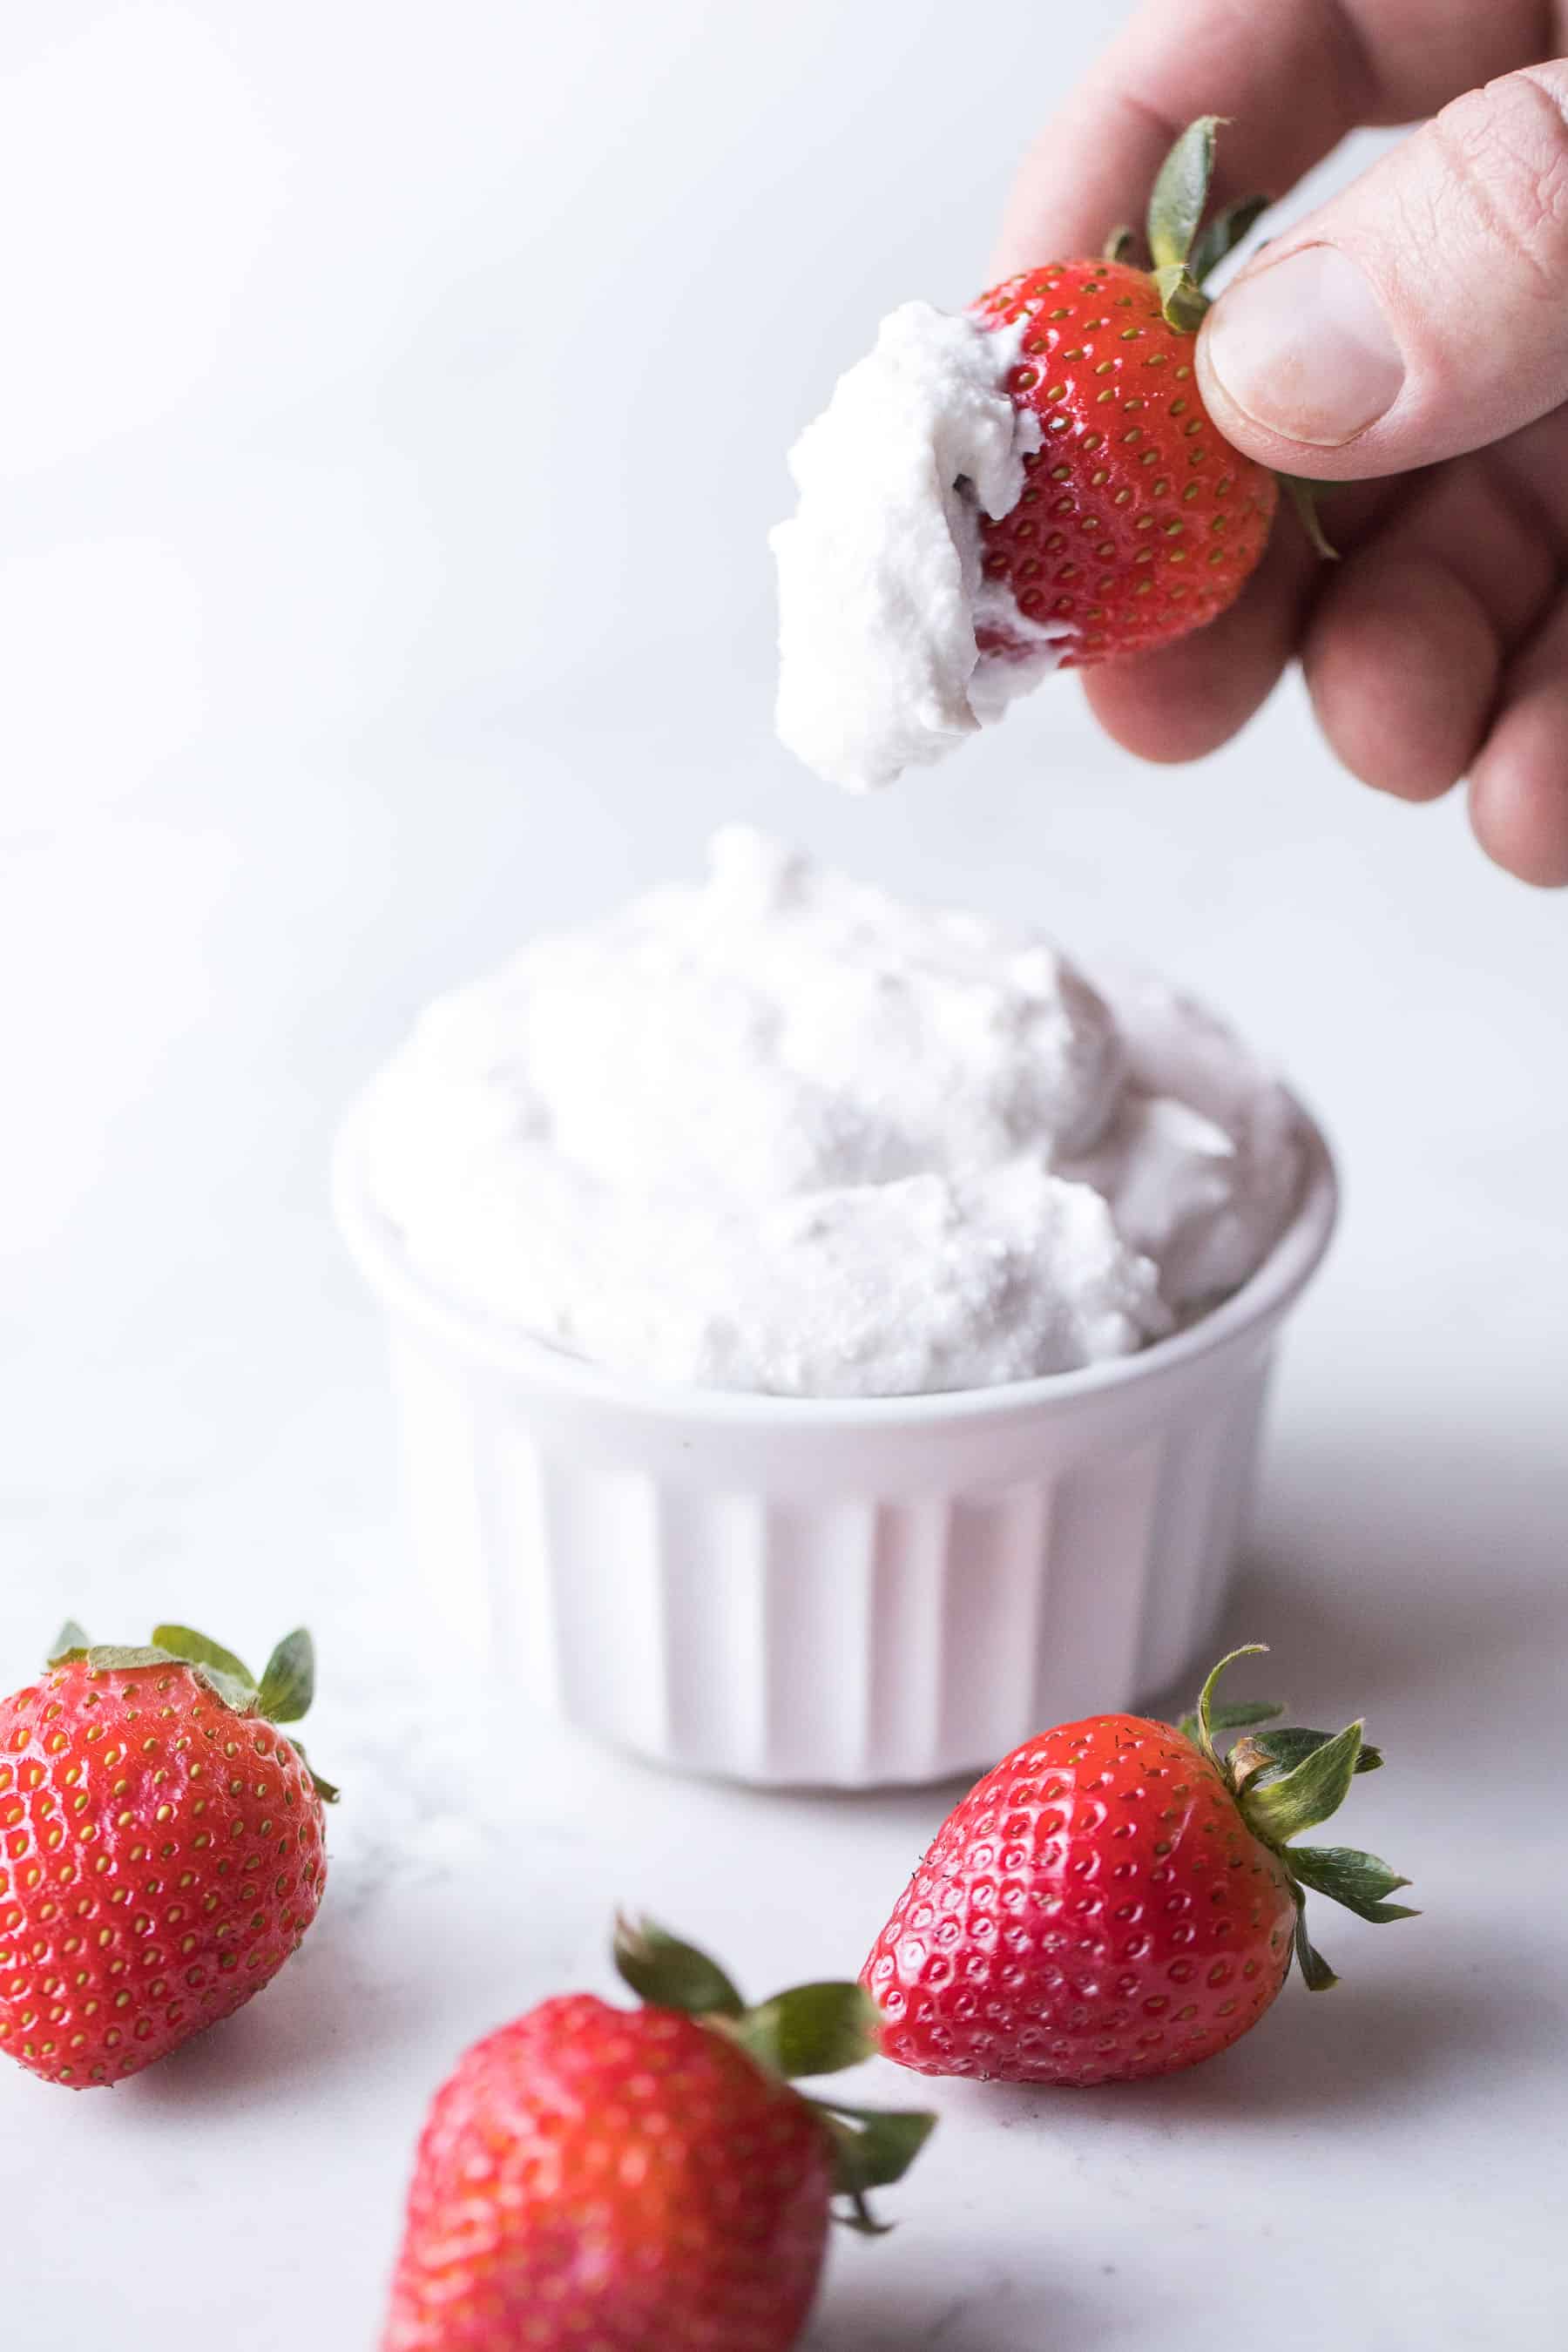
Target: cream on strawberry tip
{"x":889,"y":635}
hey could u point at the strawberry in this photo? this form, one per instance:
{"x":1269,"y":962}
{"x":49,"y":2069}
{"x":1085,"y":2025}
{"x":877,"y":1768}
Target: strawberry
{"x":641,"y":2180}
{"x":1116,"y":1900}
{"x":1138,"y":521}
{"x":160,"y":1848}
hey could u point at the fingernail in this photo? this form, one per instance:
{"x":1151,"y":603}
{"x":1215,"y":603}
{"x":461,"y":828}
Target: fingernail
{"x":1304,"y":349}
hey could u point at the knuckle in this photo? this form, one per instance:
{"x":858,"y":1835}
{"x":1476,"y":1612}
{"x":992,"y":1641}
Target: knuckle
{"x":1505,"y":150}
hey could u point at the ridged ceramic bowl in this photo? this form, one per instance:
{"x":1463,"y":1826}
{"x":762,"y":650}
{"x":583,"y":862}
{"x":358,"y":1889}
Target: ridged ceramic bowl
{"x":842,"y":1591}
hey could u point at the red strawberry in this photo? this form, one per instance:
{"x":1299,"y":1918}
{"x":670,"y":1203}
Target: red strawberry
{"x":640,"y":2180}
{"x":160,"y":1848}
{"x":1114,"y":1900}
{"x":1138,"y":521}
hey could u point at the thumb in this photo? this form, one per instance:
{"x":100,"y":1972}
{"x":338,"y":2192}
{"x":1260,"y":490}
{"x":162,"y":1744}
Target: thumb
{"x":1422,"y":312}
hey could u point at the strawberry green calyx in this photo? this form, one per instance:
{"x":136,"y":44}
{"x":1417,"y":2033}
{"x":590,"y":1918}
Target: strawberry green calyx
{"x":1288,"y":1780}
{"x":282,"y":1695}
{"x":1183,"y":250}
{"x":1186,"y":250}
{"x":1303,"y":496}
{"x":811,"y":2030}
{"x":664,"y":1973}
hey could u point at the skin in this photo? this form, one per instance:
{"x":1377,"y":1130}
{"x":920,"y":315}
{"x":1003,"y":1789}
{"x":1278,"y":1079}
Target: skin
{"x":1437,"y":648}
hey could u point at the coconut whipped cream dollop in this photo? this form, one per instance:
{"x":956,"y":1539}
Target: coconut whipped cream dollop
{"x":779,"y":1132}
{"x":882,"y":602}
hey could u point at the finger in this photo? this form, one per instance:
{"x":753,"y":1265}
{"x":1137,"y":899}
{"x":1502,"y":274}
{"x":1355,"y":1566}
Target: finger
{"x":1532,"y":469}
{"x":1407,"y":649}
{"x":1518,"y":785}
{"x":1403,"y":672}
{"x":1408,"y":643}
{"x":1291,"y":79}
{"x":1186,"y":700}
{"x":1422,"y":312}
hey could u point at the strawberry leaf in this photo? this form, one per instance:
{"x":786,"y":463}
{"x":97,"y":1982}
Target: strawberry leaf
{"x":328,"y":1793}
{"x":1224,"y":234}
{"x":1182,"y":300}
{"x":1242,"y":1716}
{"x":1120,"y":244}
{"x":872,"y":2147}
{"x":196,"y":1650}
{"x":668,"y":1974}
{"x":1239,"y":1718}
{"x":1279,"y":1809}
{"x":1316,"y":1973}
{"x":109,"y":1658}
{"x":813,"y":2029}
{"x":1303,"y":496}
{"x":223,"y":1673}
{"x":1359,"y":1881}
{"x":1289,"y":1746}
{"x":70,"y":1641}
{"x":1182,"y":193}
{"x":289,"y":1682}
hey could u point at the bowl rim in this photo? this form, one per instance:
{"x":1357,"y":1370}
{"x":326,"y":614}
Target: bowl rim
{"x":374,"y":1245}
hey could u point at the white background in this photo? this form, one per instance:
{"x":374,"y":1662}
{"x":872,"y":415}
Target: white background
{"x":391,"y":415}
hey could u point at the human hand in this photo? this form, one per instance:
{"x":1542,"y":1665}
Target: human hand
{"x":1410,"y":336}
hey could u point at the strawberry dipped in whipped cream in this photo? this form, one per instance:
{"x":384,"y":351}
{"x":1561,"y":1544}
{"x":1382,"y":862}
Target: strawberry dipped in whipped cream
{"x":1031,"y":484}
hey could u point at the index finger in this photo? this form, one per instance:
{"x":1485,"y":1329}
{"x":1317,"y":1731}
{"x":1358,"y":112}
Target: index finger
{"x":1290,"y":76}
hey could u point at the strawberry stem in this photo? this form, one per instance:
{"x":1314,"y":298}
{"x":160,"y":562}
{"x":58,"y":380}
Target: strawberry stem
{"x":1204,"y":1722}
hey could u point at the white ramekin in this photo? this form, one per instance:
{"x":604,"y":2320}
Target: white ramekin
{"x":828,"y":1591}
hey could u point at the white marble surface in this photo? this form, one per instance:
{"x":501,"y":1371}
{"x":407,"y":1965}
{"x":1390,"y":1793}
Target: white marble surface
{"x":371,"y":587}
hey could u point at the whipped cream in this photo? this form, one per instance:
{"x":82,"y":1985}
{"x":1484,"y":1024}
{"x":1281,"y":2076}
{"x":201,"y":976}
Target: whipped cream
{"x":882,"y":603}
{"x":779,"y":1131}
